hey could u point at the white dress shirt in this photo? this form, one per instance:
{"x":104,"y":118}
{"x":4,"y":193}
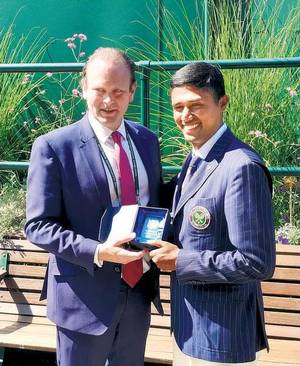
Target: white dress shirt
{"x":204,"y":150}
{"x":103,"y":135}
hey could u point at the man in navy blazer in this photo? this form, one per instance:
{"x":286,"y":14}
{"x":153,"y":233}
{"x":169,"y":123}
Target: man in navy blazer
{"x":223,"y":230}
{"x":72,"y":179}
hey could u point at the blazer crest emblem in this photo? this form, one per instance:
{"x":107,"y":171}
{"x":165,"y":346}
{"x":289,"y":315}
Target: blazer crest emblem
{"x":200,"y":217}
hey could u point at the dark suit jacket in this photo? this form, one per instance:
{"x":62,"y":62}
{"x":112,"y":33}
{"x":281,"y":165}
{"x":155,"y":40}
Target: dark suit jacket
{"x":67,"y":195}
{"x":217,"y":306}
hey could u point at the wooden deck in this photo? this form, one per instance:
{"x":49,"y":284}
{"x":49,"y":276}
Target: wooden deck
{"x":23,"y":322}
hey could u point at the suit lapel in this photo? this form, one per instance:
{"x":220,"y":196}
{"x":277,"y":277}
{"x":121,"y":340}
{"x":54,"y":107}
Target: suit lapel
{"x":206,"y":168}
{"x":91,"y":156}
{"x":180,"y":180}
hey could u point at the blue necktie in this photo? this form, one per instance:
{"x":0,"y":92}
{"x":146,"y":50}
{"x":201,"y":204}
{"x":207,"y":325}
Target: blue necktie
{"x":193,"y":165}
{"x":190,"y":170}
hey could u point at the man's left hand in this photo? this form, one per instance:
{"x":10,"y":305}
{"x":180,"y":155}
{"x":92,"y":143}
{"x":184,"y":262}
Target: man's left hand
{"x":165,"y":255}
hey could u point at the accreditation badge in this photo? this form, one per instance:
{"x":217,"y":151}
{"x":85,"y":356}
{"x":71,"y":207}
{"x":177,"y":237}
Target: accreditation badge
{"x":200,"y":217}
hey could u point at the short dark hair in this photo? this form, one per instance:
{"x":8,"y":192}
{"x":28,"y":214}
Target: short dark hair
{"x":200,"y":75}
{"x":111,"y":53}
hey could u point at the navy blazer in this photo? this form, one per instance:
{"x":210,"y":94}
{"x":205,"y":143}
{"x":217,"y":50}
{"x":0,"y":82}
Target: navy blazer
{"x":67,"y":195}
{"x":216,"y":301}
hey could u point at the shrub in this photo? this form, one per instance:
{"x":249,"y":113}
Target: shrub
{"x":18,"y":90}
{"x":12,"y":210}
{"x":264,"y":103}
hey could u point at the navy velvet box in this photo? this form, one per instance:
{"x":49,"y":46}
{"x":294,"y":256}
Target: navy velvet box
{"x":148,"y":223}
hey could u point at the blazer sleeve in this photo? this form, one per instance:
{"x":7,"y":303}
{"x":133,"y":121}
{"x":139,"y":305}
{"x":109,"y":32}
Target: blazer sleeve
{"x":44,"y":210}
{"x":249,"y":219}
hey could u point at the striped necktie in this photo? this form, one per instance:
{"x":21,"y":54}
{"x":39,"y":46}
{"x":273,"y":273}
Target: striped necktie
{"x":193,"y":165}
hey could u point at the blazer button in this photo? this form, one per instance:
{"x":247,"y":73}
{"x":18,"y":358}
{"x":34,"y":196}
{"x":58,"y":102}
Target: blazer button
{"x":117,"y":269}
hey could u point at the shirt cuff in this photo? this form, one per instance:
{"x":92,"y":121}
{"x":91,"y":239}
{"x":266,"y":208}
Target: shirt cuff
{"x":96,"y":260}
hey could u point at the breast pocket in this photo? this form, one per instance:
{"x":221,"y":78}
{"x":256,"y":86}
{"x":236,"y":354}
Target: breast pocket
{"x":201,"y":216}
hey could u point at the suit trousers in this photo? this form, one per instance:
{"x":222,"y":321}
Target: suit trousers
{"x":122,"y":344}
{"x":181,"y":359}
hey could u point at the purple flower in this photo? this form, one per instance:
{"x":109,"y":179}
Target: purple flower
{"x":281,"y":189}
{"x":82,"y":37}
{"x":292,"y":91}
{"x":285,"y":218}
{"x":26,"y":78}
{"x":281,"y":239}
{"x":257,"y":133}
{"x":70,"y":39}
{"x":71,"y":45}
{"x":76,"y":93}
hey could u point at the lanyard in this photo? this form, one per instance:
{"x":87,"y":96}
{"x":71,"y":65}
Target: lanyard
{"x":112,"y":174}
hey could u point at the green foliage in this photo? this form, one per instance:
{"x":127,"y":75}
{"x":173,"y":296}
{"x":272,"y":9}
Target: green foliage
{"x":12,"y":210}
{"x":59,"y":101}
{"x":58,"y":104}
{"x":34,"y":104}
{"x":262,"y":100}
{"x":288,"y":234}
{"x":264,"y":103}
{"x":17,"y":90}
{"x":30,"y":106}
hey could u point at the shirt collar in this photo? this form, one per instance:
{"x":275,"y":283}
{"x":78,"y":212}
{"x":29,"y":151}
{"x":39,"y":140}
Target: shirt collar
{"x":103,"y":133}
{"x":204,"y":150}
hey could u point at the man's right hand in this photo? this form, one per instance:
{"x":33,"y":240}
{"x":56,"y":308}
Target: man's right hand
{"x":114,"y":251}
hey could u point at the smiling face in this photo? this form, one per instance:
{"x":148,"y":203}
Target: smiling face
{"x":108,"y":91}
{"x":197,"y":113}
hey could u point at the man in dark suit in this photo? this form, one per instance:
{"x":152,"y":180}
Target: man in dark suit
{"x":223,"y":230}
{"x":102,"y":313}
